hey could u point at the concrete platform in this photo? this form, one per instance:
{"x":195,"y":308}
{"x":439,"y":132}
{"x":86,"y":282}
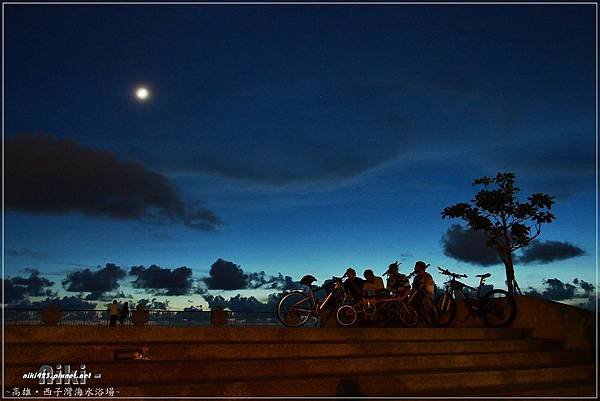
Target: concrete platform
{"x":524,"y":360}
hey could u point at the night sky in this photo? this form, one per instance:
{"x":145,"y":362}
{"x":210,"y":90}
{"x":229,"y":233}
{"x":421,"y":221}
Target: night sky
{"x":295,"y":139}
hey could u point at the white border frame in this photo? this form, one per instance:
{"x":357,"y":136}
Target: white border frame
{"x":313,"y":4}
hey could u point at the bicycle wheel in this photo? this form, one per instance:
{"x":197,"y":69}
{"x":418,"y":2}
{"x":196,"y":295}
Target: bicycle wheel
{"x":346,"y":315}
{"x":294,"y":309}
{"x":446,"y":309}
{"x":427,"y":310}
{"x":408,"y":315}
{"x":498,"y":308}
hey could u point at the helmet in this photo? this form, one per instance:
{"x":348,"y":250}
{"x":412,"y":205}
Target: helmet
{"x":307,"y":280}
{"x":392,"y":267}
{"x":420,"y":265}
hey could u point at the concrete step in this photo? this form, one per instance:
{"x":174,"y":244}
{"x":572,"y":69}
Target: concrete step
{"x":45,"y":353}
{"x":124,"y":372}
{"x":575,"y":389}
{"x":388,"y":384}
{"x":95,"y":335}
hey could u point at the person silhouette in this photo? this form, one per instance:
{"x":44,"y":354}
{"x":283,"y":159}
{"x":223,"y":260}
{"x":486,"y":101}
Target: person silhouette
{"x":113,"y":313}
{"x":396,"y":281}
{"x":124,"y":313}
{"x":373,"y":285}
{"x":424,"y":279}
{"x":353,"y":284}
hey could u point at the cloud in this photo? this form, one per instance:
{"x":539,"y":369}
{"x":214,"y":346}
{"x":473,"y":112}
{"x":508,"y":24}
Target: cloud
{"x":564,"y":154}
{"x":263,"y":280}
{"x":18,"y":288}
{"x":549,"y":251}
{"x":34,"y":284}
{"x":240,"y":303}
{"x":163,"y":281}
{"x":563,"y":166}
{"x":97,"y":283}
{"x":556,"y":290}
{"x":225,"y":275}
{"x":587,"y":288}
{"x":25,"y":252}
{"x":108,"y":297}
{"x":44,"y":174}
{"x":297,"y":130}
{"x":468,"y":246}
{"x":590,"y":304}
{"x":13,"y":293}
{"x":154,"y":304}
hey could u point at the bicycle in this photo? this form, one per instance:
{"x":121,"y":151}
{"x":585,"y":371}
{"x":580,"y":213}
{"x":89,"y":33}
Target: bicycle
{"x":497,"y":308}
{"x":382,"y":311}
{"x":423,"y":303}
{"x":296,"y":307}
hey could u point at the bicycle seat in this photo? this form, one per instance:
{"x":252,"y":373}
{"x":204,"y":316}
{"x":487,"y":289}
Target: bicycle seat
{"x":486,"y":275}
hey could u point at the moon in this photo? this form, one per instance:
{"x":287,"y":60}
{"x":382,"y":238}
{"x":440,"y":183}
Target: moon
{"x":142,"y":93}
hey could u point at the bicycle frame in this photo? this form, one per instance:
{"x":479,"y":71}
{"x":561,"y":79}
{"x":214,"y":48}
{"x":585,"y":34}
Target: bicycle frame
{"x":456,"y":286}
{"x":315,"y":306}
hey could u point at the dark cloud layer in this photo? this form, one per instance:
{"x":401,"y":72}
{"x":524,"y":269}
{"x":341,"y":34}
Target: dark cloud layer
{"x":587,"y":288}
{"x":563,"y":166}
{"x":240,"y":303}
{"x":225,"y":275}
{"x":97,"y":283}
{"x":48,"y":175}
{"x":34,"y":284}
{"x":468,"y":246}
{"x":294,"y":140}
{"x":263,"y":280}
{"x":162,"y":281}
{"x":12,"y":293}
{"x":154,"y":304}
{"x":590,"y":304}
{"x":557,"y":290}
{"x":549,"y":251}
{"x":18,"y":288}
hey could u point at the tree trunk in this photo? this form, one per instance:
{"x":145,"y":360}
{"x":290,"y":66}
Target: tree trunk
{"x":506,"y":257}
{"x":510,"y":272}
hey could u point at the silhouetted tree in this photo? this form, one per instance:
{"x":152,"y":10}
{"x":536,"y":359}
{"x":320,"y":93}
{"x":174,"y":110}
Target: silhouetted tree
{"x":507,"y":223}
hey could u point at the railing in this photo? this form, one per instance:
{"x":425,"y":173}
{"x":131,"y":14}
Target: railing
{"x":164,"y":318}
{"x":22,"y":316}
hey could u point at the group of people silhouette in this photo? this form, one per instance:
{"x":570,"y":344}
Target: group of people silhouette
{"x":117,"y":312}
{"x":372,"y":287}
{"x":369,"y":288}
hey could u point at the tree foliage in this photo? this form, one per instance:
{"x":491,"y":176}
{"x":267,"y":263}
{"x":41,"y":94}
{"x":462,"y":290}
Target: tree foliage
{"x":508,"y":223}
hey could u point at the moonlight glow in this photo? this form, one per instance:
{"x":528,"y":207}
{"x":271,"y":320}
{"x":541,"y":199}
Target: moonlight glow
{"x":142,"y":93}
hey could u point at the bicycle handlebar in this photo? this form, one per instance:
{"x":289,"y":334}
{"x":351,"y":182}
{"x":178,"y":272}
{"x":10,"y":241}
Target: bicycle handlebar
{"x":449,"y":273}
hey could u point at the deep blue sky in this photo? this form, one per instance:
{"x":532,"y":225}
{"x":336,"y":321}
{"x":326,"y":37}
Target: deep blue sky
{"x":321,"y":136}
